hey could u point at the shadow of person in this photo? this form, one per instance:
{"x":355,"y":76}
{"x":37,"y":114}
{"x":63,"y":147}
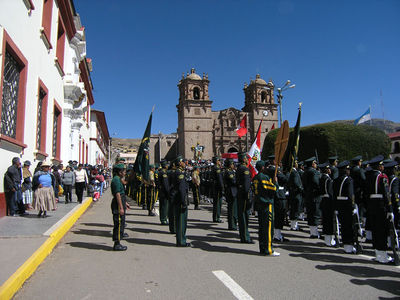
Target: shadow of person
{"x":390,"y":286}
{"x":213,"y":248}
{"x":359,"y":271}
{"x":212,"y":238}
{"x":329,"y":258}
{"x":90,"y":246}
{"x":149,"y":242}
{"x":97,"y":224}
{"x":103,"y":233}
{"x":147,"y":230}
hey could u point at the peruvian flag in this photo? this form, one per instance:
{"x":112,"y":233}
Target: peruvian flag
{"x":254,"y":154}
{"x":242,"y":129}
{"x":273,"y":126}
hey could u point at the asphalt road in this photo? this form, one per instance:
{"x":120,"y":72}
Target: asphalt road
{"x":83,"y":265}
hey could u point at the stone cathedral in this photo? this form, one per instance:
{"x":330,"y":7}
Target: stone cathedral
{"x":204,"y":132}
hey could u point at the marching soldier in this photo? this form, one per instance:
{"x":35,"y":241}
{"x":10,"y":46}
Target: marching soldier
{"x":150,"y":191}
{"x":231,"y":193}
{"x":196,"y":187}
{"x":118,"y":206}
{"x":312,"y":196}
{"x":280,"y":205}
{"x":180,"y":203}
{"x":358,"y":175}
{"x":218,"y":189}
{"x":333,"y":162}
{"x":243,"y":181}
{"x":164,"y":192}
{"x":343,"y":194}
{"x":327,"y":204}
{"x":171,"y":202}
{"x":264,"y":190}
{"x":379,"y":207}
{"x":295,"y":196}
{"x":394,"y":189}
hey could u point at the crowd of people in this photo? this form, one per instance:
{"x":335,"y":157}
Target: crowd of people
{"x":41,"y":189}
{"x":345,"y":202}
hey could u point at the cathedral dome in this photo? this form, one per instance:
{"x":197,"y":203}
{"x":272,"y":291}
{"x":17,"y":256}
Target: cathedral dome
{"x":193,"y":75}
{"x":259,"y":80}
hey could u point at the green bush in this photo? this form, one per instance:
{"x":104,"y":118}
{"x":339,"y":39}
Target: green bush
{"x":331,"y":139}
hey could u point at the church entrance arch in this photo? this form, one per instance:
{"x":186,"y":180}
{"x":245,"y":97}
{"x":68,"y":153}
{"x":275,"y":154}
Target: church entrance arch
{"x":232,"y":150}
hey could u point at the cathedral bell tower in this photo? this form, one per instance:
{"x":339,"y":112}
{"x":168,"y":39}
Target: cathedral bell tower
{"x":259,"y":97}
{"x":194,"y":115}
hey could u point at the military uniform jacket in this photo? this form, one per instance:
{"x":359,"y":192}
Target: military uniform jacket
{"x":230,"y":183}
{"x":264,"y":189}
{"x":326,"y":186}
{"x":311,"y":182}
{"x":358,"y":175}
{"x":281,"y":191}
{"x":243,"y":179}
{"x":377,"y":190}
{"x":117,"y":187}
{"x":163,"y":181}
{"x":343,"y":190}
{"x":334,"y":172}
{"x":295,"y":185}
{"x":217,"y":179}
{"x":394,"y":188}
{"x":180,"y":188}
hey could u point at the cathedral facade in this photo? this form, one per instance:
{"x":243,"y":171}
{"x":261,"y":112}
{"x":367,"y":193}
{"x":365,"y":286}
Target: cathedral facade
{"x":204,"y":133}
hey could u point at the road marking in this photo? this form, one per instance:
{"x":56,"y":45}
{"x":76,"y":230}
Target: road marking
{"x":236,"y":289}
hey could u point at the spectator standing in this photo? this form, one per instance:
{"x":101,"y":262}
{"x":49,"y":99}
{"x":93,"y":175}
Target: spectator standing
{"x":57,"y":176}
{"x":43,"y":185}
{"x":68,"y":181}
{"x":27,"y":195}
{"x":81,"y":180}
{"x":100,"y":178}
{"x":12,"y":189}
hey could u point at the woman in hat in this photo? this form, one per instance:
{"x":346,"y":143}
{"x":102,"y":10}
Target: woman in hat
{"x":43,"y":187}
{"x":27,"y":185}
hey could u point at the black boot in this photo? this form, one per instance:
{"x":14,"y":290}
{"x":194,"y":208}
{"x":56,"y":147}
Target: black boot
{"x":119,"y":247}
{"x":39,"y":214}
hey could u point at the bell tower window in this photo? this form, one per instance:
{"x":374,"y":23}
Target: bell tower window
{"x":196,"y":93}
{"x":263,"y":97}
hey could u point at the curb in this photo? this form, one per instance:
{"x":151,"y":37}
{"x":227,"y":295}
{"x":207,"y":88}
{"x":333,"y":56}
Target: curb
{"x":14,"y":283}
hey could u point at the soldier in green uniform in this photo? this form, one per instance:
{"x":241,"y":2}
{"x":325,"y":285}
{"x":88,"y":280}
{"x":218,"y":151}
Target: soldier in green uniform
{"x":171,"y":199}
{"x":118,"y":206}
{"x":180,"y":203}
{"x":295,"y":196}
{"x":164,"y":192}
{"x":264,"y":190}
{"x":231,"y":193}
{"x":243,"y":182}
{"x":196,"y":187}
{"x":218,"y":189}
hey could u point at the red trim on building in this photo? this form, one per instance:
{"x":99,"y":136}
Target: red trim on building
{"x":101,"y":118}
{"x":67,"y":12}
{"x":60,"y":43}
{"x":394,"y":135}
{"x":42,"y":148}
{"x":87,"y":153}
{"x":57,"y":109}
{"x":85,"y":75}
{"x":3,"y":205}
{"x":46,"y":18}
{"x":11,"y":47}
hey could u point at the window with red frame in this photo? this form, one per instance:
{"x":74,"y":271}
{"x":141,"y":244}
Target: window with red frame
{"x":41,"y":118}
{"x":46,"y":18}
{"x":60,"y":43}
{"x":56,"y":132}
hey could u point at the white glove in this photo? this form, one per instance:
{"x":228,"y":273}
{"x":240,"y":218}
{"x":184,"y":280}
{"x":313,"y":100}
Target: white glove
{"x":399,"y":209}
{"x":355,"y":211}
{"x":336,"y":212}
{"x":390,"y":216}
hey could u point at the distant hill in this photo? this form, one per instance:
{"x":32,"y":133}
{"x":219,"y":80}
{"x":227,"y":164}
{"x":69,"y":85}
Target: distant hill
{"x":385,"y":125}
{"x":126,"y":143}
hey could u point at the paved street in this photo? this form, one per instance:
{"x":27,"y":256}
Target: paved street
{"x":83,"y":265}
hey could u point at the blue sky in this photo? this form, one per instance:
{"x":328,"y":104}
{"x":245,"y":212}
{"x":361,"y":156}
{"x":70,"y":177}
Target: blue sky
{"x":340,"y":54}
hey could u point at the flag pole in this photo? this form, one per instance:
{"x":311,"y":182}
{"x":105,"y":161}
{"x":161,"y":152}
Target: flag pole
{"x":247,"y":138}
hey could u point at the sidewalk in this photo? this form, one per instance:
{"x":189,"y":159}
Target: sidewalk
{"x":21,"y":237}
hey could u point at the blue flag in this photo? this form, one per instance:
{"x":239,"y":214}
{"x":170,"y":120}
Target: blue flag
{"x":364,"y":117}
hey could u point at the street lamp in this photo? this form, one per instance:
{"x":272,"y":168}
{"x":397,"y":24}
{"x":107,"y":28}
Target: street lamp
{"x":285,"y":87}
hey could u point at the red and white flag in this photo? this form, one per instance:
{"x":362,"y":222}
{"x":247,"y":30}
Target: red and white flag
{"x":273,"y":126}
{"x":242,"y":129}
{"x":254,"y":154}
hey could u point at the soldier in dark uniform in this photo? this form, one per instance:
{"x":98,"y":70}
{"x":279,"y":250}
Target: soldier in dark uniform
{"x":180,"y":203}
{"x":333,"y":162}
{"x":164,"y":192}
{"x":280,"y":205}
{"x":295,"y":196}
{"x":358,"y":175}
{"x":118,"y":206}
{"x":231,"y":193}
{"x":379,"y":207}
{"x":218,"y":189}
{"x":196,"y":182}
{"x":312,"y":196}
{"x":301,"y":173}
{"x":343,"y":195}
{"x":171,"y":200}
{"x":394,"y":190}
{"x":327,"y":204}
{"x":264,"y":191}
{"x":243,"y":182}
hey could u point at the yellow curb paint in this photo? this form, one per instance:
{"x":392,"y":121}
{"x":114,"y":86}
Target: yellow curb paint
{"x":14,"y":283}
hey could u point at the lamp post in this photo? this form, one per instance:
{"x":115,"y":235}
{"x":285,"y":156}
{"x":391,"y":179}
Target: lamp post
{"x":285,"y":87}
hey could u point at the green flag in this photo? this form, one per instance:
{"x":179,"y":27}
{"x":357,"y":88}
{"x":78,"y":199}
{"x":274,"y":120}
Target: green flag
{"x":141,"y":166}
{"x":293,"y":148}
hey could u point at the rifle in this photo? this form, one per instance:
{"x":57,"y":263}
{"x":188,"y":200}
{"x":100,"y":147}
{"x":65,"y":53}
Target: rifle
{"x":356,"y":229}
{"x":394,"y":241}
{"x":336,"y":230}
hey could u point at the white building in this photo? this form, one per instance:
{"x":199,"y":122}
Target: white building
{"x":99,"y":138}
{"x":45,"y":84}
